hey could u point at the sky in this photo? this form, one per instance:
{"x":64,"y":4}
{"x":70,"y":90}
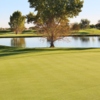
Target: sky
{"x":90,"y":11}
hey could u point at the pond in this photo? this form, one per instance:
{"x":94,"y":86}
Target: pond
{"x":66,"y":42}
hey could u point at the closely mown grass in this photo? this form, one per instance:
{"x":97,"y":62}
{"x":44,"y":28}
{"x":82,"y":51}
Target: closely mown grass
{"x":49,"y":74}
{"x":89,"y":31}
{"x":8,"y":33}
{"x":33,"y":33}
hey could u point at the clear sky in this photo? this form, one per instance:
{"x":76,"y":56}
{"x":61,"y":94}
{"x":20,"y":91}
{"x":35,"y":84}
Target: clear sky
{"x":90,"y":11}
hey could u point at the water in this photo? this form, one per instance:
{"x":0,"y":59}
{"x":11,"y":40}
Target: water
{"x":39,"y":42}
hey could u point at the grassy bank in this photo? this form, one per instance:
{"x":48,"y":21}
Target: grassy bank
{"x":28,"y":33}
{"x":32,"y":33}
{"x":89,"y":32}
{"x":49,"y":74}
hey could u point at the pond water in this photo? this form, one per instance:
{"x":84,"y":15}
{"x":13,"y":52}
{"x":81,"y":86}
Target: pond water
{"x":38,"y":42}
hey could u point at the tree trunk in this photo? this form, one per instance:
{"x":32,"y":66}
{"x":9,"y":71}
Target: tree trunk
{"x":52,"y":44}
{"x":52,"y":41}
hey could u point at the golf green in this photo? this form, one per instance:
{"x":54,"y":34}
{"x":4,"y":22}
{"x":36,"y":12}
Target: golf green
{"x":49,"y":74}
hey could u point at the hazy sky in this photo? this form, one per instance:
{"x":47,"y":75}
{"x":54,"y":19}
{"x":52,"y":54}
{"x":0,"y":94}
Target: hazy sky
{"x":90,"y":10}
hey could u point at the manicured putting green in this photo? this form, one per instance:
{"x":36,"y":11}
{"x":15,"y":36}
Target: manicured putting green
{"x":49,"y":74}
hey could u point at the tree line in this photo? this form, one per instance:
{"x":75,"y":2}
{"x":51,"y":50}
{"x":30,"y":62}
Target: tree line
{"x":85,"y":24}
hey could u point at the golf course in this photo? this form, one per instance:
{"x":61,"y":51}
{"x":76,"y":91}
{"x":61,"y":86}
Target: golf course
{"x":50,"y":50}
{"x":34,"y":33}
{"x":49,"y":74}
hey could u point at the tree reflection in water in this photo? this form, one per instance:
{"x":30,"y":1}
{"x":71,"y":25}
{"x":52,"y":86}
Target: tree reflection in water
{"x":84,"y":39}
{"x":18,"y":42}
{"x":75,"y":37}
{"x":98,"y":38}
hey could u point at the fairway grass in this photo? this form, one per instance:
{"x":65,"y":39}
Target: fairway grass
{"x":33,"y":33}
{"x":27,"y":33}
{"x":89,"y":32}
{"x":49,"y":74}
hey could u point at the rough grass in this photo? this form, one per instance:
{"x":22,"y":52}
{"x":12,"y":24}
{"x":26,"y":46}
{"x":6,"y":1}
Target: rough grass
{"x":49,"y":74}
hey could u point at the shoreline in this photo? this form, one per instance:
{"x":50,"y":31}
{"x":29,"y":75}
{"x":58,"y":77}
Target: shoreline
{"x":73,"y":35}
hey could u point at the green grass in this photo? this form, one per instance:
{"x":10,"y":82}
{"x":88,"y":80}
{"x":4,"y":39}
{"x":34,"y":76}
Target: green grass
{"x":89,"y":31}
{"x":32,"y":33}
{"x":49,"y":74}
{"x":8,"y":33}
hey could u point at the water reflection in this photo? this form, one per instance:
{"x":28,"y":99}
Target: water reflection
{"x":93,"y":39}
{"x":84,"y":39}
{"x":18,"y":42}
{"x":37,"y":42}
{"x":75,"y":37}
{"x":98,"y":38}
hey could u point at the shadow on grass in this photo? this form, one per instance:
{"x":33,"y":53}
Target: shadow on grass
{"x":4,"y":32}
{"x":9,"y":51}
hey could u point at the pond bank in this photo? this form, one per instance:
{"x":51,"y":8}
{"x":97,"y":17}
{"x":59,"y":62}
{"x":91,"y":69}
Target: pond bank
{"x":73,"y":35}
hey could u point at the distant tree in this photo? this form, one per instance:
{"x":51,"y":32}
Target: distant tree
{"x":84,"y":23}
{"x":98,"y":25}
{"x":92,"y":26}
{"x":17,"y":22}
{"x":52,"y":16}
{"x":75,"y":27}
